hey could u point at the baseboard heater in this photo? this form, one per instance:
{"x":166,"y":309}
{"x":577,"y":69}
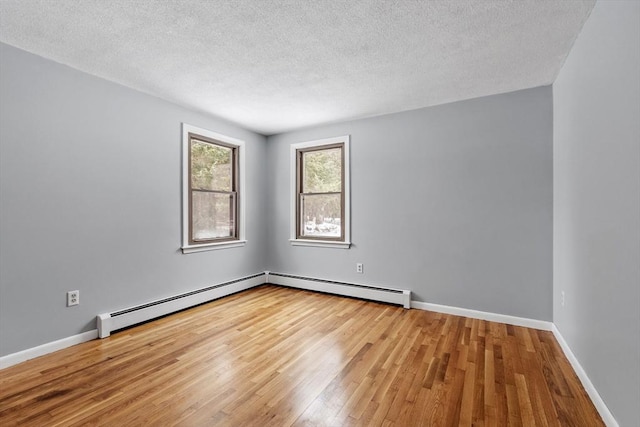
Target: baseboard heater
{"x":394,"y":296}
{"x":109,"y":322}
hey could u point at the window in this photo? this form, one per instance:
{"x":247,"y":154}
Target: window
{"x":212,"y":194}
{"x":320,"y":193}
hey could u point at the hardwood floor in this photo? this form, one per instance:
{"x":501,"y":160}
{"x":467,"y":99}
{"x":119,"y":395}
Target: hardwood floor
{"x":274,"y":356}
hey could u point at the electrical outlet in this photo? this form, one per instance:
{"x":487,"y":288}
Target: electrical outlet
{"x":562,"y":298}
{"x":73,"y":298}
{"x":359,"y":268}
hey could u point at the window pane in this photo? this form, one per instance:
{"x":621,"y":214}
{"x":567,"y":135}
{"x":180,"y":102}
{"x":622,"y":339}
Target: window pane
{"x":211,"y":166}
{"x":212,"y":215}
{"x":322,"y":171}
{"x":321,"y":215}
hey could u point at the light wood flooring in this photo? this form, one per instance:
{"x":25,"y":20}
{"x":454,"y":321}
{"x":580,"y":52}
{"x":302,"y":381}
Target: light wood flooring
{"x":275,"y":356}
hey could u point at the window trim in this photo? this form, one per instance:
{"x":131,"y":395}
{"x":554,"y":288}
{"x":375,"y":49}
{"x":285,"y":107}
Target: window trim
{"x":187,"y":245}
{"x":295,"y":177}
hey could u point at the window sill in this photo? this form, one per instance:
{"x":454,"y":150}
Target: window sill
{"x":320,"y":243}
{"x":189,"y":249}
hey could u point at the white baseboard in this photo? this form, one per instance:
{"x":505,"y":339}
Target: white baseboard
{"x":368,"y":292}
{"x":108,"y":322}
{"x":604,"y":412}
{"x":483,"y":315}
{"x":198,"y":298}
{"x":374,"y":293}
{"x":41,"y":350}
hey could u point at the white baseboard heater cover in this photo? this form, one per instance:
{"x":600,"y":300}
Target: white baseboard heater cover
{"x":393,"y":296}
{"x":109,"y":322}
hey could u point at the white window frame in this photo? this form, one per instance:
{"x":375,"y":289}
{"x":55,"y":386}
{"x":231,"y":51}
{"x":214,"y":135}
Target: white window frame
{"x":347,"y":197}
{"x":188,"y":248}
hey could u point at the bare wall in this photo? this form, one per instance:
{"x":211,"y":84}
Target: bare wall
{"x":597,"y":204}
{"x":453,"y":202}
{"x":90,"y":200}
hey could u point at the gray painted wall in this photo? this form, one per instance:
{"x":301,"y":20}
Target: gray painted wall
{"x":597,"y":204}
{"x":90,"y":197}
{"x":90,"y":190}
{"x":452,"y":202}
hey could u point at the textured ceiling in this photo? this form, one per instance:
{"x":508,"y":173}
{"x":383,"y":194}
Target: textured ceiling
{"x":278,"y":65}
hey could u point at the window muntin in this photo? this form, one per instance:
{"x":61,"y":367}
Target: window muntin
{"x":320,"y":207}
{"x":213,"y":196}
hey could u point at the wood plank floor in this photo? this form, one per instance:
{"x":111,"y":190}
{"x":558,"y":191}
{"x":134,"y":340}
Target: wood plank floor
{"x":274,"y":356}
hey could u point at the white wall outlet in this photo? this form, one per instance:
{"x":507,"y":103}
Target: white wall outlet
{"x":562,"y":298}
{"x":73,"y":298}
{"x":359,"y":268}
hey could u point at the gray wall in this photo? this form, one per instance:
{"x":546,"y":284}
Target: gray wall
{"x":597,"y":204}
{"x":452,"y":202}
{"x":90,"y":192}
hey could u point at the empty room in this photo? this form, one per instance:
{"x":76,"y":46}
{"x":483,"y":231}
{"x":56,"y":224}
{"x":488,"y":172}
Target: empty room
{"x":320,"y":213}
